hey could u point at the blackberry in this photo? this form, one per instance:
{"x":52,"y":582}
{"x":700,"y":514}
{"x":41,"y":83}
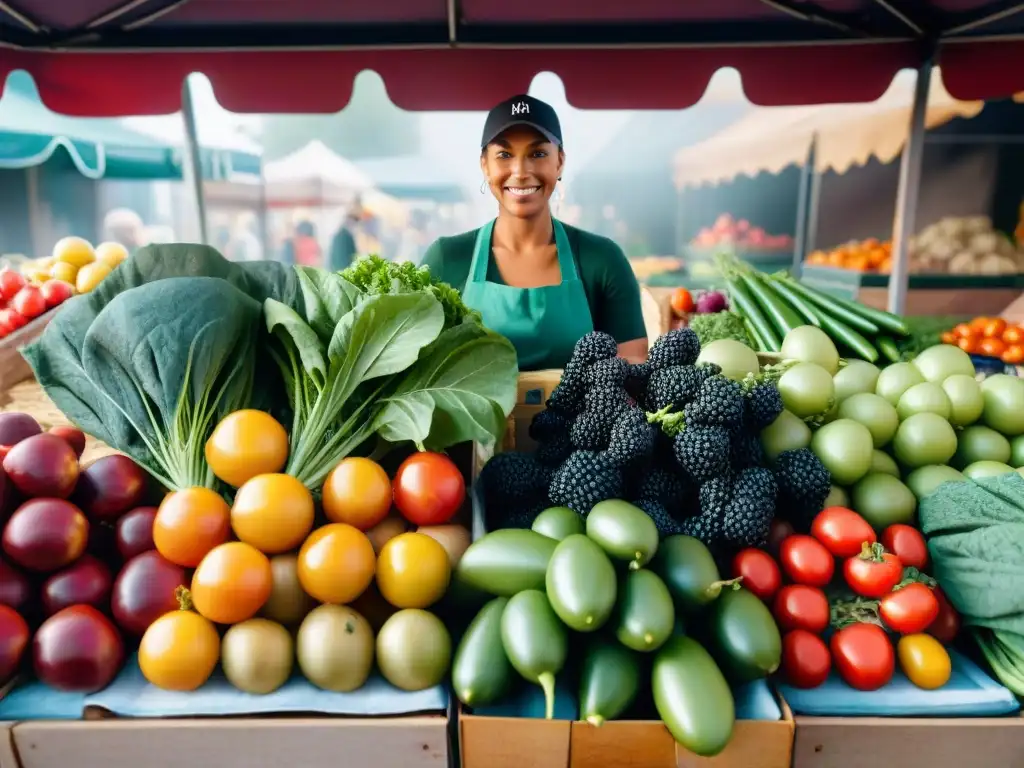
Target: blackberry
{"x":750,"y":511}
{"x":677,"y":347}
{"x":636,"y":380}
{"x":632,"y":436}
{"x":547,"y":424}
{"x":523,"y":517}
{"x":663,"y":521}
{"x":763,"y":405}
{"x":567,"y":397}
{"x":745,"y":451}
{"x":675,"y":386}
{"x":607,"y":374}
{"x":510,"y":481}
{"x":592,"y":348}
{"x":703,"y":452}
{"x":583,"y":480}
{"x":803,"y":485}
{"x":592,"y":429}
{"x":718,"y":403}
{"x":714,"y":497}
{"x":666,"y":486}
{"x":554,"y":451}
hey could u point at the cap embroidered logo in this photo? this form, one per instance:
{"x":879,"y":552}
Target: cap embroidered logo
{"x":520,"y":108}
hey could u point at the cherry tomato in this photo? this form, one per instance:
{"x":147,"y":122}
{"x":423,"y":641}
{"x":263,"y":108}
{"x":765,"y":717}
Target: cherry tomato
{"x":968,"y":344}
{"x":10,"y":283}
{"x":909,"y":610}
{"x":924,"y":661}
{"x":964,"y":331}
{"x":778,"y":532}
{"x":946,"y":626}
{"x":336,"y":564}
{"x":977,"y":325}
{"x":948,"y":338}
{"x":11,"y":320}
{"x":759,"y":571}
{"x":179,"y":651}
{"x":806,"y":661}
{"x":1014,"y":354}
{"x":863,"y":656}
{"x":245,"y":444}
{"x":189,"y":523}
{"x":231,"y":583}
{"x":806,"y":561}
{"x":429,"y":489}
{"x":874,"y":572}
{"x":682,"y":301}
{"x":798,"y":606}
{"x":992,"y":347}
{"x":29,"y":302}
{"x":56,"y":292}
{"x":357,"y":492}
{"x":1013,"y":335}
{"x":907,"y":543}
{"x":842,"y":531}
{"x":273,"y":513}
{"x":994,"y":328}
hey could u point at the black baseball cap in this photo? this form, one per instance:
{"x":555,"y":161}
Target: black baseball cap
{"x":522,"y":110}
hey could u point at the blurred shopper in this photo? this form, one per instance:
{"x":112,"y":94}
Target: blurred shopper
{"x":124,"y":226}
{"x":343,"y":246}
{"x":244,"y":244}
{"x":302,"y":248}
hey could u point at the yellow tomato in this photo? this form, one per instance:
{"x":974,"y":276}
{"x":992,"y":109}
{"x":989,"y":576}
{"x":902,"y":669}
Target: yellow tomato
{"x":336,"y":564}
{"x":111,"y":254}
{"x":189,"y":523}
{"x":245,"y":444}
{"x":357,"y":492}
{"x":232,"y":583}
{"x":273,"y":513}
{"x":74,"y":250}
{"x":90,"y":276}
{"x":64,"y":271}
{"x":413,"y":571}
{"x":924,"y":661}
{"x":179,"y":651}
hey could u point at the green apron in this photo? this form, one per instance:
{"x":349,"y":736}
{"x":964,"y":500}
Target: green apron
{"x":544,"y":323}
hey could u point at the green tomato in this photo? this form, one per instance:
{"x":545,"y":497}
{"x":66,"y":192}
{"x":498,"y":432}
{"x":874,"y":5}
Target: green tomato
{"x":734,"y":358}
{"x":883,"y":500}
{"x":845,"y":448}
{"x":883,"y":464}
{"x":837,"y":497}
{"x":925,"y":397}
{"x":924,"y":438}
{"x":1017,"y":451}
{"x":897,"y":379}
{"x":981,"y":469}
{"x":855,"y":377}
{"x":965,"y":399}
{"x":940,"y":362}
{"x":786,"y":433}
{"x":810,"y":344}
{"x":1004,"y":404}
{"x":924,"y":480}
{"x":874,"y":412}
{"x":806,"y":390}
{"x":980,"y":443}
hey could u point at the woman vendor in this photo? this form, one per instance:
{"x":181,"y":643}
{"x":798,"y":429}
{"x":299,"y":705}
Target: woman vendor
{"x":541,"y":283}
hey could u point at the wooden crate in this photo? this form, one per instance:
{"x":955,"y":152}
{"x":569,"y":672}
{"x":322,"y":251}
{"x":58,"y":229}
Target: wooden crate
{"x":13,"y":367}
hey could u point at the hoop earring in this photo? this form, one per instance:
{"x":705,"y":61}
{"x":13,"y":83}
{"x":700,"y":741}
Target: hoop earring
{"x":483,"y":186}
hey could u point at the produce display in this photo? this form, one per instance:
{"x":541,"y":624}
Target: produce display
{"x":43,"y":284}
{"x":989,"y":337}
{"x":741,"y":235}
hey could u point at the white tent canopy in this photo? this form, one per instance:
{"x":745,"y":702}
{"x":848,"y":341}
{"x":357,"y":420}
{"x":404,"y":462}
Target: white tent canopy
{"x":771,"y":138}
{"x":314,"y":176}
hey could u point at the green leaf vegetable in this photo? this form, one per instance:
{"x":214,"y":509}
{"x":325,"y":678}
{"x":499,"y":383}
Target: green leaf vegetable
{"x":383,"y":357}
{"x":164,"y":348}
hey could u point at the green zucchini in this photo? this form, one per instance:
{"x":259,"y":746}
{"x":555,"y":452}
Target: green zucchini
{"x":609,"y":682}
{"x":833,"y":306}
{"x":784,"y":318}
{"x":481,"y":671}
{"x":558,"y":522}
{"x":581,"y":583}
{"x":646,"y":614}
{"x":507,"y":561}
{"x":624,"y":531}
{"x":692,"y":697}
{"x":535,"y":642}
{"x":838,"y":330}
{"x":888,"y":349}
{"x":884,"y":320}
{"x":744,"y":303}
{"x":746,"y":639}
{"x":755,"y":338}
{"x":689,"y":571}
{"x":803,"y":308}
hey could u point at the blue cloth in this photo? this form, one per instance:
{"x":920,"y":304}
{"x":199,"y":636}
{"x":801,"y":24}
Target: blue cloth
{"x":35,"y":701}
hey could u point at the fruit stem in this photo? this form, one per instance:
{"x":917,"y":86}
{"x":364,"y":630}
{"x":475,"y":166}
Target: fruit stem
{"x":596,"y":720}
{"x":184,"y":598}
{"x":872,"y":552}
{"x":547,"y":683}
{"x":635,"y":565}
{"x":715,"y":588}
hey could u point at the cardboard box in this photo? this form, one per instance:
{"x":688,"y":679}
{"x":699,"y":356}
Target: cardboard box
{"x":8,"y":757}
{"x":871,"y":742}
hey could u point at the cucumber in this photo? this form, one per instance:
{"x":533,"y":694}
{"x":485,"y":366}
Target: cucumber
{"x":646,"y":615}
{"x":481,"y":672}
{"x":624,"y":531}
{"x":558,"y":522}
{"x":692,"y":697}
{"x":609,"y":683}
{"x":745,"y":637}
{"x":535,"y":642}
{"x":581,"y":583}
{"x":505,"y":562}
{"x":689,"y":571}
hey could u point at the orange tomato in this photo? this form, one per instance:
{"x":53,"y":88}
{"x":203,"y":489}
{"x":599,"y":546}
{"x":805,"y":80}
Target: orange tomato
{"x":357,"y":492}
{"x":179,"y":651}
{"x":245,"y":444}
{"x":817,"y":257}
{"x":413,"y":571}
{"x":948,"y":338}
{"x":273,"y":513}
{"x":963,"y":331}
{"x":994,"y":328}
{"x":858,"y":263}
{"x":681,"y":301}
{"x":1013,"y":335}
{"x":992,"y":347}
{"x":886,"y":265}
{"x":336,"y":564}
{"x":189,"y":523}
{"x":979,"y":323}
{"x":231,"y":583}
{"x":968,"y":344}
{"x":1014,"y":354}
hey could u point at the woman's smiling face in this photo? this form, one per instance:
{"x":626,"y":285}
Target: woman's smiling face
{"x":522,"y":167}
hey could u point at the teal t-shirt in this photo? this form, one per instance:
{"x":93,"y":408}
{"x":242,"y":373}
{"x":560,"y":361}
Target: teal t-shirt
{"x":613,"y":293}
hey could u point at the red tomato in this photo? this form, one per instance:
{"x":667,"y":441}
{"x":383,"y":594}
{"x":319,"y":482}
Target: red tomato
{"x":806,"y":561}
{"x":909,"y":610}
{"x":907,"y":543}
{"x":863,"y":656}
{"x":56,"y":292}
{"x":946,"y":626}
{"x":682,"y":301}
{"x":429,"y":489}
{"x":874,"y":572}
{"x":778,"y":532}
{"x":842,"y":531}
{"x":806,"y":661}
{"x":29,"y":302}
{"x":10,"y":283}
{"x":798,"y":606}
{"x":11,"y":320}
{"x":759,"y":572}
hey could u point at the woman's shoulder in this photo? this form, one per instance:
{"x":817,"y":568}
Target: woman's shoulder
{"x":593,"y":243}
{"x":453,"y":246}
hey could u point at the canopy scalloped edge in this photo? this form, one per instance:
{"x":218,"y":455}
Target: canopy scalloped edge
{"x":55,"y":143}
